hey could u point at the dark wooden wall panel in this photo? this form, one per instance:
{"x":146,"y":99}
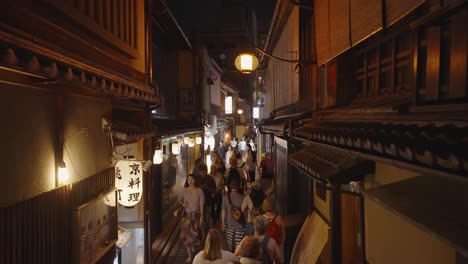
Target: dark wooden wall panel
{"x":458,"y":56}
{"x":433,"y":64}
{"x":38,"y":230}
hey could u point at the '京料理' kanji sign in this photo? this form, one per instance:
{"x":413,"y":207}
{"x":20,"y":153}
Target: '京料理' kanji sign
{"x":129,"y":181}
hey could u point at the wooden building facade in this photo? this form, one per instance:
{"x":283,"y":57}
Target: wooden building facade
{"x":370,"y":129}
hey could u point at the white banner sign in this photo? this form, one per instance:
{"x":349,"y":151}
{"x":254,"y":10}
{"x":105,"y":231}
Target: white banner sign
{"x":129,"y":181}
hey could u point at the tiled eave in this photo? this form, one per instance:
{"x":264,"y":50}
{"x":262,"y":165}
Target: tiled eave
{"x":173,"y":127}
{"x":440,"y":146}
{"x":330,"y":165}
{"x":51,"y":67}
{"x":127,"y":132}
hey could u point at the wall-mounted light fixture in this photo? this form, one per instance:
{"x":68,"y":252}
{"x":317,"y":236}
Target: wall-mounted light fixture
{"x":228,"y":105}
{"x":198,"y":140}
{"x":240,"y":111}
{"x":191,"y":143}
{"x":248,"y":62}
{"x":62,"y":172}
{"x":158,"y":156}
{"x":175,"y":148}
{"x":256,"y":112}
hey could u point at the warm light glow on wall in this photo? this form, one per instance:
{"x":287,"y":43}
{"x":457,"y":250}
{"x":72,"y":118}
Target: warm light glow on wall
{"x":228,"y":105}
{"x":256,"y":112}
{"x":240,"y":111}
{"x":246,"y":63}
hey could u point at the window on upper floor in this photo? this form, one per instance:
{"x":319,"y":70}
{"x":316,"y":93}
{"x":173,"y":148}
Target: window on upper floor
{"x":384,"y":68}
{"x":442,"y":61}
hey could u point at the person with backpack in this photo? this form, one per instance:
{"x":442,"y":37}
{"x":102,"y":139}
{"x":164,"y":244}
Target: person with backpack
{"x":270,"y":252}
{"x":232,"y":218}
{"x":252,"y":205}
{"x":275,"y":228}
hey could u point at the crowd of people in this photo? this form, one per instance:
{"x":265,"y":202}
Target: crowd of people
{"x":230,"y":199}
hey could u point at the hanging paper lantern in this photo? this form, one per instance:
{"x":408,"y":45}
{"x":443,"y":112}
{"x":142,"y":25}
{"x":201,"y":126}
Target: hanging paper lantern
{"x":129,"y":182}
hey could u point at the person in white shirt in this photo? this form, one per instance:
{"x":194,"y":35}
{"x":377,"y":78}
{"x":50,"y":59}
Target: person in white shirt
{"x":233,"y":143}
{"x":213,"y":252}
{"x":242,"y":146}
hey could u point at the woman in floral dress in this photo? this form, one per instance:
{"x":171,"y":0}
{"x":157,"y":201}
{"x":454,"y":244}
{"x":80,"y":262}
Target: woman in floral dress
{"x":193,"y":200}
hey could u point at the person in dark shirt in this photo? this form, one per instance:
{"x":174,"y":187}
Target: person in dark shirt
{"x":208,"y":185}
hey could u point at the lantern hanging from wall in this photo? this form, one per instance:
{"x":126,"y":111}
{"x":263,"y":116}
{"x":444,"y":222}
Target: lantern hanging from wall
{"x":191,"y":143}
{"x":158,"y":156}
{"x":175,"y":148}
{"x":129,"y":182}
{"x":228,"y":105}
{"x":198,"y":140}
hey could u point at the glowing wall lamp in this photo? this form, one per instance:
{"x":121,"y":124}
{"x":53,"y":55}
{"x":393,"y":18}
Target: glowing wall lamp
{"x":191,"y":143}
{"x":198,"y":140}
{"x":62,"y":172}
{"x":175,"y":148}
{"x":240,"y":111}
{"x":256,"y":112}
{"x":246,"y":63}
{"x":158,"y":156}
{"x":228,"y":105}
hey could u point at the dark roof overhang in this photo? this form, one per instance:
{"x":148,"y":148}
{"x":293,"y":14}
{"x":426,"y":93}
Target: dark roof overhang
{"x":330,"y":165}
{"x":127,"y":132}
{"x":50,"y":69}
{"x":421,"y":141}
{"x":174,"y":127}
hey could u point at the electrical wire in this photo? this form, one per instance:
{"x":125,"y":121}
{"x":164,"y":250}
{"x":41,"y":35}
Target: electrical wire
{"x":114,"y":150}
{"x":71,"y":161}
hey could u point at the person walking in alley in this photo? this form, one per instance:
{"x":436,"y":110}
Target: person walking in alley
{"x":270,"y":251}
{"x":213,"y":252}
{"x":193,"y":200}
{"x":276,"y":228}
{"x":231,"y":223}
{"x":218,"y":195}
{"x":250,"y":251}
{"x":208,"y":185}
{"x":251,"y":163}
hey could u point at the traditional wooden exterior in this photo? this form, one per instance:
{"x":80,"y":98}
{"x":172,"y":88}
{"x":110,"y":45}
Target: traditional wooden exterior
{"x":67,"y":70}
{"x":388,"y":90}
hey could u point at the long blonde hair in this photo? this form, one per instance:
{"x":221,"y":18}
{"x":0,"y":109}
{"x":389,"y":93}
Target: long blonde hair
{"x":212,"y":250}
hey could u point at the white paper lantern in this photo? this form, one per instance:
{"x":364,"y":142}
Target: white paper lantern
{"x":129,"y":182}
{"x":191,"y":143}
{"x":158,"y":156}
{"x":175,"y":148}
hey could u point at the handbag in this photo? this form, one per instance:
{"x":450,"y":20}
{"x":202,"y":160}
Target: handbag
{"x":179,"y":211}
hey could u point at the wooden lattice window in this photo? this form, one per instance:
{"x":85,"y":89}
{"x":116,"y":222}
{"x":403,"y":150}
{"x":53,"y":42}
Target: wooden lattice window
{"x":384,"y":68}
{"x":442,"y":61}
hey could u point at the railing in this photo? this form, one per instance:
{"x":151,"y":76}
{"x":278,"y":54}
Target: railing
{"x":113,"y":20}
{"x":38,"y":230}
